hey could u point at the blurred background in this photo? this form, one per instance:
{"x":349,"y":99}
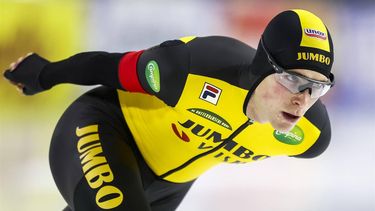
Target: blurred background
{"x":343,"y":178}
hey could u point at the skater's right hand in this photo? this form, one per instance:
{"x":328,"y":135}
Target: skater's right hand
{"x":25,"y":72}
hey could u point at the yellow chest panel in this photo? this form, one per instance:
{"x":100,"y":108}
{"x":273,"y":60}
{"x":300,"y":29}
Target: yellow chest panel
{"x":208,"y":111}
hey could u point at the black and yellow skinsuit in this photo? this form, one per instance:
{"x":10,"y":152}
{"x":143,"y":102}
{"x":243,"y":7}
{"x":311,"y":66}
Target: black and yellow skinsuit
{"x":165,"y":116}
{"x":206,"y":90}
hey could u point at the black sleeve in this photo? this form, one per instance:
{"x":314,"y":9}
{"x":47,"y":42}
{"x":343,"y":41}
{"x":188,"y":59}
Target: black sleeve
{"x":213,"y":56}
{"x":172,"y":59}
{"x":318,"y":115}
{"x":220,"y":57}
{"x":93,"y":68}
{"x":89,"y":68}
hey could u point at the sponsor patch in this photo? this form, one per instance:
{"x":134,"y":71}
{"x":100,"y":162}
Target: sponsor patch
{"x":293,"y":137}
{"x":210,"y":93}
{"x":153,"y":75}
{"x":211,"y":116}
{"x":309,"y":56}
{"x":315,"y":33}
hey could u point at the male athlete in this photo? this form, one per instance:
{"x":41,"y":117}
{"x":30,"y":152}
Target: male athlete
{"x":167,"y":114}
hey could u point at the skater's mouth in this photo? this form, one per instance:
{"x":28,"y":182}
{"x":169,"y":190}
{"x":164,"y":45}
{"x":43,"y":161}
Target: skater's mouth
{"x":290,"y":117}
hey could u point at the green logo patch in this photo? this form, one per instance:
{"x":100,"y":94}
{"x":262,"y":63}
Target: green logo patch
{"x":293,"y":137}
{"x":153,"y":76}
{"x":211,"y":116}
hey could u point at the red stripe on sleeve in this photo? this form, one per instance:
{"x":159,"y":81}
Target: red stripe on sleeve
{"x":128,"y":72}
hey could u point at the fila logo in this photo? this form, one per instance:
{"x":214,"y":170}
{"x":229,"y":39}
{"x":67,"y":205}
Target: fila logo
{"x":210,"y":93}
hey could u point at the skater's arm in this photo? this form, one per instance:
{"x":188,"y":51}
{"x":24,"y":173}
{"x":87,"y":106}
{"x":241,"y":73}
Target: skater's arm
{"x":34,"y":74}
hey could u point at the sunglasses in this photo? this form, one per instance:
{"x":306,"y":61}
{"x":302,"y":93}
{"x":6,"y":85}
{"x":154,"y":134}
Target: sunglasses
{"x":296,"y":82}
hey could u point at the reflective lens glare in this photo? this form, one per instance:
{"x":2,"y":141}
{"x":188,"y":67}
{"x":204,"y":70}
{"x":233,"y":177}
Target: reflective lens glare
{"x":296,"y":83}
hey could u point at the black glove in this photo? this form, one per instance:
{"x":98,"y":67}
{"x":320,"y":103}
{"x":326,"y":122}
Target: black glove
{"x":26,"y":74}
